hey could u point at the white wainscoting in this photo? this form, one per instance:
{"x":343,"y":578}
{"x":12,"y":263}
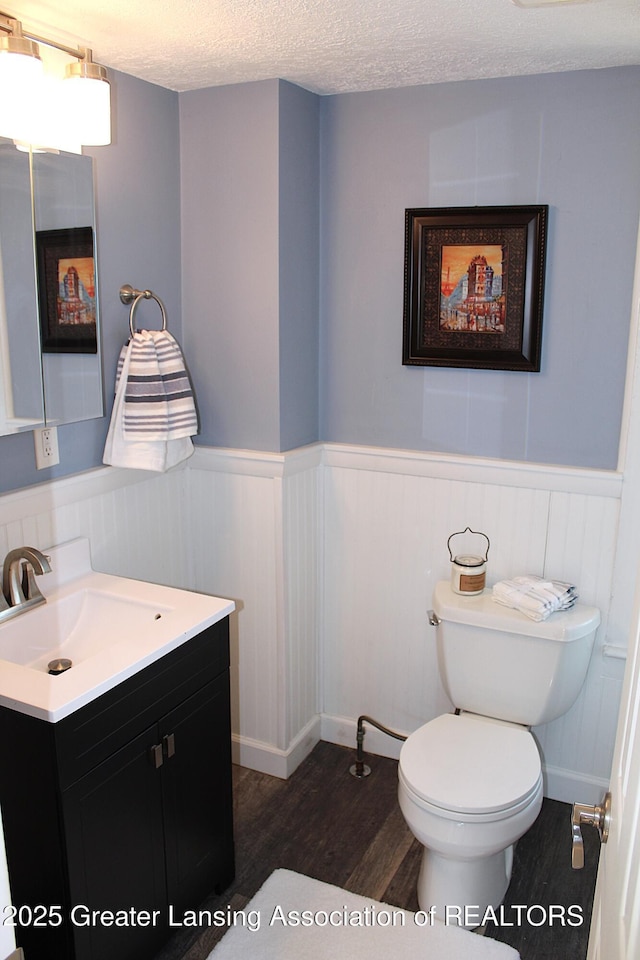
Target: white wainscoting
{"x":331,"y":553}
{"x":387,"y":518}
{"x":136,"y":521}
{"x":257,"y":539}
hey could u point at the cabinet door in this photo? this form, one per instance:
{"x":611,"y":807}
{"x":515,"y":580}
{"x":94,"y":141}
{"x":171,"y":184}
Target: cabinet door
{"x":196,"y":780}
{"x":114,"y":839}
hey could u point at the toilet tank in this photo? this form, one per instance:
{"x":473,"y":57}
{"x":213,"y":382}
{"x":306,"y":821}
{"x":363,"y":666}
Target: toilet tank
{"x":497,"y":662}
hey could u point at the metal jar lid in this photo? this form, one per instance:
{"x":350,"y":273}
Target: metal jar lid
{"x":468,"y":560}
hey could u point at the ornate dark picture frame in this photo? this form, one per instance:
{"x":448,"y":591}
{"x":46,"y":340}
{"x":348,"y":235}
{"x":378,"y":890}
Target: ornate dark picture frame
{"x":67,"y":290}
{"x":474,"y":287}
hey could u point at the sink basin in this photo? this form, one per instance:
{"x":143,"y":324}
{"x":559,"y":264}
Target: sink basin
{"x":108,"y":627}
{"x":75,"y":627}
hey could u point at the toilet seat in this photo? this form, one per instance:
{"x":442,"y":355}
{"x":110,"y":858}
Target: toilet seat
{"x":471,"y":767}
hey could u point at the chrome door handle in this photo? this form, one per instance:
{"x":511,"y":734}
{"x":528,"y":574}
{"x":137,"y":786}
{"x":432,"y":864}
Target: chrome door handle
{"x":596,"y":816}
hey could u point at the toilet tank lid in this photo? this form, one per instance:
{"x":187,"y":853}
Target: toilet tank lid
{"x":482,"y":611}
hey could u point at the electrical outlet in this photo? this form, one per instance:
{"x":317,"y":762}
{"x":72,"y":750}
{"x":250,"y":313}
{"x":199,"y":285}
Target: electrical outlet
{"x":46,"y":443}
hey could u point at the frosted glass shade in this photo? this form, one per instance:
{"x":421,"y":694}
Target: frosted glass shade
{"x":20,"y":90}
{"x":89,"y":105}
{"x":50,"y":128}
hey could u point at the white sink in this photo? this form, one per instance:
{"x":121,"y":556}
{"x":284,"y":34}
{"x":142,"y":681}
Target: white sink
{"x":108,"y":627}
{"x":75,"y":627}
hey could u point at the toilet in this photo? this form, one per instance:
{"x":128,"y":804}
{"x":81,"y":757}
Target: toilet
{"x":470,"y":782}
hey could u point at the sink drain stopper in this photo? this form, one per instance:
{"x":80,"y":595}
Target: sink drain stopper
{"x":58,"y":666}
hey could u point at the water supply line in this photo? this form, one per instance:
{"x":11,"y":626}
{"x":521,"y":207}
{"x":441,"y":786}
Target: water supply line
{"x":359,"y":769}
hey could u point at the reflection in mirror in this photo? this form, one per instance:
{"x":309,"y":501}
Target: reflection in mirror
{"x":21,"y":393}
{"x":65,"y":235}
{"x":50,"y":364}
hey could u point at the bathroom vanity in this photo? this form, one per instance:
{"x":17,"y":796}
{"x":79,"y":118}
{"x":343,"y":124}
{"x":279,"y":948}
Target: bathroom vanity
{"x":125,"y":805}
{"x":117,"y":815}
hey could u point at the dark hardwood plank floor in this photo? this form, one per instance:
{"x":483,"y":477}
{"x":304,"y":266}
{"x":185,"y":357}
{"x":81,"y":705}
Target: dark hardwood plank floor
{"x":326,"y":824}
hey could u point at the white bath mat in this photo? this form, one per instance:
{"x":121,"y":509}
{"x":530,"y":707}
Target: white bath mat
{"x":295,"y":918}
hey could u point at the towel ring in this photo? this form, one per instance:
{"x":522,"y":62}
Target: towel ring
{"x":129,"y":295}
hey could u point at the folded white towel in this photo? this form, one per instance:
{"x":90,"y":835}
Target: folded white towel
{"x":535,"y":597}
{"x":153,"y":415}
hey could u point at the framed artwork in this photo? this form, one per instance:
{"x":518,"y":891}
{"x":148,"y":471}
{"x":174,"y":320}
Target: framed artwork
{"x":474,"y":287}
{"x":67,"y":290}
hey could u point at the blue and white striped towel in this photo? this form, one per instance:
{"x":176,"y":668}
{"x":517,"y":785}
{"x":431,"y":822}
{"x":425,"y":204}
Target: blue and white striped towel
{"x":151,"y":428}
{"x":535,"y":597}
{"x":158,"y":396}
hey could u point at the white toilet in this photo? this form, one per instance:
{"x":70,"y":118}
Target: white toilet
{"x":470,"y":783}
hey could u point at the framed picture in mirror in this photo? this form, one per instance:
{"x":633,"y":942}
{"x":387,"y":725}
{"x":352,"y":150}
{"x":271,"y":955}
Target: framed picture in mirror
{"x":67,"y":290}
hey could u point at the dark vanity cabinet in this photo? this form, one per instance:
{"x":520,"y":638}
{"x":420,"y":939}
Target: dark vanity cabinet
{"x":118,"y":818}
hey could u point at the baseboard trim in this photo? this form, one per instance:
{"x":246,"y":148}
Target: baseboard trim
{"x":265,"y":758}
{"x":569,"y":786}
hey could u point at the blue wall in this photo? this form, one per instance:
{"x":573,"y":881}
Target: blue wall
{"x":299,"y":252}
{"x":229,"y":150}
{"x":250,"y":175}
{"x":291,"y":338}
{"x":568,"y":140}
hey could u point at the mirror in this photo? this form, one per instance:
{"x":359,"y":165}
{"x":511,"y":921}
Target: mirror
{"x":21,"y":389}
{"x":50,"y":363}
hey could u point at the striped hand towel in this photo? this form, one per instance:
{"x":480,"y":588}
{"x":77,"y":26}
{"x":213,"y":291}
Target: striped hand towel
{"x":158,"y":396}
{"x":535,"y":597}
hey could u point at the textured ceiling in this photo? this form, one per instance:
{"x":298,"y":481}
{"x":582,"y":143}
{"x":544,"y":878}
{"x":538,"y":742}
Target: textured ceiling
{"x":335,"y":46}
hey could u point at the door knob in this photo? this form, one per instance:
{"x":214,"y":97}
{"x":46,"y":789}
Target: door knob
{"x":596,"y":816}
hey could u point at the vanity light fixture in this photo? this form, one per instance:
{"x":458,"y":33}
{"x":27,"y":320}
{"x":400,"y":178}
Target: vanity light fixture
{"x":43,"y":110}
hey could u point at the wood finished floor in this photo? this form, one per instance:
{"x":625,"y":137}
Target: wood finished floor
{"x":326,"y":824}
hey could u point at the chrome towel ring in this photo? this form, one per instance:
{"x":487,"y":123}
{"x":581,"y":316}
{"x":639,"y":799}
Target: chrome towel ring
{"x":129,"y":295}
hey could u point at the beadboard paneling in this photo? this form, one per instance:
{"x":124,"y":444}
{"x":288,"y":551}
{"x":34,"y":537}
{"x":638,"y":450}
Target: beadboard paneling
{"x":385,"y":547}
{"x":256,"y":538}
{"x":236,"y":553}
{"x":331,"y":554}
{"x":581,"y":547}
{"x":302,"y":559}
{"x":135,"y":521}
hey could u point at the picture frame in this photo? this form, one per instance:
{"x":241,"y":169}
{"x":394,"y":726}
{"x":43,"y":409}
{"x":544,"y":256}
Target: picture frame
{"x":67,"y":290}
{"x":474,"y":287}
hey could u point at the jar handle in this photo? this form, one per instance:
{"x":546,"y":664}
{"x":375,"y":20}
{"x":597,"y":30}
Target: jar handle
{"x":477,"y":533}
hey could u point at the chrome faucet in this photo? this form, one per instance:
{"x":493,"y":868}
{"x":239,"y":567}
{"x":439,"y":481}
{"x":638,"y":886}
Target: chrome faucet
{"x":19,"y":588}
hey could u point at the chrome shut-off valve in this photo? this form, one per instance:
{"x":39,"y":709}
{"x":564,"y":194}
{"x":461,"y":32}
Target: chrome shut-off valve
{"x":597,"y":816}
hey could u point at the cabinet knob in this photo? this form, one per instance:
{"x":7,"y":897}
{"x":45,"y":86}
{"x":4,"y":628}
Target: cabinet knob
{"x":155,"y":752}
{"x":169,"y":741}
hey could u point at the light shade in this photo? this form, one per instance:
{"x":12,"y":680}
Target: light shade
{"x":39,"y":108}
{"x":20,"y":78}
{"x":88,"y":100}
{"x":51,"y":128}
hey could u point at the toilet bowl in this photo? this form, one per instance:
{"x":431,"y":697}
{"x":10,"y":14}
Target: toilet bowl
{"x":469,"y":788}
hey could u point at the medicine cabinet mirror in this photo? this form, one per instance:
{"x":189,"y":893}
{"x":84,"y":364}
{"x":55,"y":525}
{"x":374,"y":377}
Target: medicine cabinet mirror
{"x":50,"y":363}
